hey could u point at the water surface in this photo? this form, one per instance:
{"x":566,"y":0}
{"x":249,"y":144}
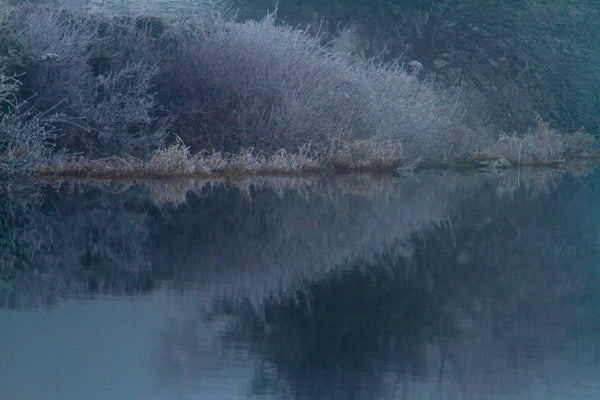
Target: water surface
{"x":434,"y":286}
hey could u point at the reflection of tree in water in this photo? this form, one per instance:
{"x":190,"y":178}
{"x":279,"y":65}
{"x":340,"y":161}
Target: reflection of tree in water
{"x":507,"y":290}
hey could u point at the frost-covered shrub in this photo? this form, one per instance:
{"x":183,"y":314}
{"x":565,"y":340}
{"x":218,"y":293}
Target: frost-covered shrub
{"x":225,"y":85}
{"x":49,"y":51}
{"x":123,"y":101}
{"x":102,"y":111}
{"x":518,"y":58}
{"x":257,"y":84}
{"x":167,"y":9}
{"x":24,"y":138}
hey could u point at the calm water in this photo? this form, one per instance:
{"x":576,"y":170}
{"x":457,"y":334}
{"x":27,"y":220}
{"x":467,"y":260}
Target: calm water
{"x":437,"y":286}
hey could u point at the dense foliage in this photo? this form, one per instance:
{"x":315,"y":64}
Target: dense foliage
{"x":433,"y":79}
{"x":518,"y":59}
{"x":115,"y":84}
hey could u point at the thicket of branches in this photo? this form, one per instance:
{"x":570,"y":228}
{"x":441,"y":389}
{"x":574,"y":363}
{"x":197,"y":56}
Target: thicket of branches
{"x":24,"y":139}
{"x":519,"y":59}
{"x":50,"y":53}
{"x":116,"y":83}
{"x":103,"y":79}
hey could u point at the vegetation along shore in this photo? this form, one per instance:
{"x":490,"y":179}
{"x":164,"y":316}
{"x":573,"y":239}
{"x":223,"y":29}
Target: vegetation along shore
{"x":97,"y":89}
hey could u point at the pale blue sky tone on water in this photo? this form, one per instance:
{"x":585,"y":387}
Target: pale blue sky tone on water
{"x":109,"y":348}
{"x":106,"y":348}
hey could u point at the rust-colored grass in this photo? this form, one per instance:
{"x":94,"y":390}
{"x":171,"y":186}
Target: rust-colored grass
{"x":541,"y":147}
{"x":176,"y":161}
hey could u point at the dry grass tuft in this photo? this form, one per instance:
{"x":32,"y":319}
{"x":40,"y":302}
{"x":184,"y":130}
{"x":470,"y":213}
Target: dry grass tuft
{"x":544,"y":145}
{"x":366,"y":155}
{"x":541,"y":147}
{"x":177,"y":161}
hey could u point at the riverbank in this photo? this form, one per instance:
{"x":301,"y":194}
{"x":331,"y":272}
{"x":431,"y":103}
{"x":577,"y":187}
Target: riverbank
{"x":177,"y":161}
{"x":141,"y":96}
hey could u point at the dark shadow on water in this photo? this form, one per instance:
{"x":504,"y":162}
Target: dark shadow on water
{"x":502,"y":299}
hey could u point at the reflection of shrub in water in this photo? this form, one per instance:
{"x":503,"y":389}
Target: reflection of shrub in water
{"x":334,"y":337}
{"x":256,"y":241}
{"x":502,"y":283}
{"x":73,"y":245}
{"x":250,"y":239}
{"x":15,"y":245}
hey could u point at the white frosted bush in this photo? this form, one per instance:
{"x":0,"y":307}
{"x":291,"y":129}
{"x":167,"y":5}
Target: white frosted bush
{"x":257,"y":84}
{"x":225,"y":85}
{"x":24,"y":138}
{"x":102,"y":112}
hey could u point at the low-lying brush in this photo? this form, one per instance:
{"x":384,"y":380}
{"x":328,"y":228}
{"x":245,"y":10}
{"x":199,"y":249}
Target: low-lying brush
{"x":120,"y":94}
{"x":118,"y":83}
{"x":178,"y":160}
{"x":544,"y":145}
{"x":516,"y":59}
